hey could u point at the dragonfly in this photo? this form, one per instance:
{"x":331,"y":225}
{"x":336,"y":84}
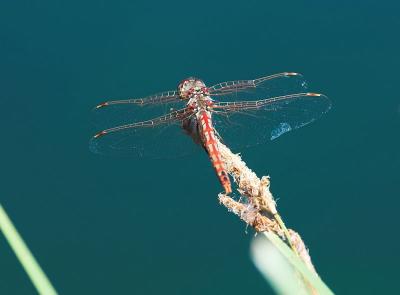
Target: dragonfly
{"x":237,"y":113}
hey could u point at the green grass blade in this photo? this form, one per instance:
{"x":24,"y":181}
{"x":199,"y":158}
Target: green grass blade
{"x":284,"y":270}
{"x":32,"y":268}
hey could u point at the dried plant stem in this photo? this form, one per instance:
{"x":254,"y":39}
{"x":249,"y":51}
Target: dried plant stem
{"x":257,"y":206}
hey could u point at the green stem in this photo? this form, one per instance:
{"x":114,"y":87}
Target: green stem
{"x":25,"y":257}
{"x":285,"y":231}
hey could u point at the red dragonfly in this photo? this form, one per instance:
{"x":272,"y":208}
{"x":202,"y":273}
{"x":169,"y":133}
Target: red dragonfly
{"x":252,"y":112}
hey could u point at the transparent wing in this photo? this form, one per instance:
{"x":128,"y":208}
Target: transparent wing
{"x":159,"y":98}
{"x":121,"y":112}
{"x":261,"y":88}
{"x":248,"y":123}
{"x":162,"y":137}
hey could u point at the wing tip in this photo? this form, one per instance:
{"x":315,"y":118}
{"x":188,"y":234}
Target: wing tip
{"x":292,"y":74}
{"x":314,"y":94}
{"x":103,"y":104}
{"x":101,"y":133}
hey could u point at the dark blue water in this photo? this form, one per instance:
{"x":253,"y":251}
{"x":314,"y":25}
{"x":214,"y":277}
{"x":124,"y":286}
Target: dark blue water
{"x":102,"y":225}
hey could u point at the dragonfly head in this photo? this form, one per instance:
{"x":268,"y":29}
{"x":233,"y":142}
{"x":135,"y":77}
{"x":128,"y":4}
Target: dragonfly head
{"x":191,"y":86}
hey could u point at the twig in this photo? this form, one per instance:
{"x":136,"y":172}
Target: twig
{"x":257,"y":206}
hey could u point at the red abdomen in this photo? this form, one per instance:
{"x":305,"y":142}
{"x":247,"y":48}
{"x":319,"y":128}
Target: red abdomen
{"x":208,"y":139}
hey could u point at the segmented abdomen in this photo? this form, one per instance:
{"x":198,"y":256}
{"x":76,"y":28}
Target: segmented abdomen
{"x":208,"y":138}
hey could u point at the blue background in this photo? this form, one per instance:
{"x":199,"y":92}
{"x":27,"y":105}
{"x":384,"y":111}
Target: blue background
{"x":101,"y":225}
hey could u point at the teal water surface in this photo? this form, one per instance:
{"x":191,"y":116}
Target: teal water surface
{"x":120,"y":225}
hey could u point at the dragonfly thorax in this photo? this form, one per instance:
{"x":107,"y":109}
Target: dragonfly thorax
{"x":192,"y":87}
